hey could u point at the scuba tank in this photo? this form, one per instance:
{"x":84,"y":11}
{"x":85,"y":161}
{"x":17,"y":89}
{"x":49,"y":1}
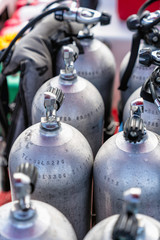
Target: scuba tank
{"x":147,"y":35}
{"x":30,"y":219}
{"x":95,"y":62}
{"x":128,"y":225}
{"x":83,"y":107}
{"x":64,"y":160}
{"x":128,"y":159}
{"x":150,"y":92}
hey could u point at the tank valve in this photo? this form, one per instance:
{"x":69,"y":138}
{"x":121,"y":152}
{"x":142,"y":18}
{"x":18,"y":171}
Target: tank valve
{"x":128,"y":226}
{"x":52,"y":101}
{"x":70,"y":55}
{"x":148,"y":57}
{"x":83,"y":15}
{"x":24,"y":182}
{"x":134,"y":129}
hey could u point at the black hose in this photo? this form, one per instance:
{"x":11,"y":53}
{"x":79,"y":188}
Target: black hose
{"x":144,"y":6}
{"x":29,"y":25}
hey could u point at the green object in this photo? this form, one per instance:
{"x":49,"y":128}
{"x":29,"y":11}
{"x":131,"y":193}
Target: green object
{"x":13,"y":86}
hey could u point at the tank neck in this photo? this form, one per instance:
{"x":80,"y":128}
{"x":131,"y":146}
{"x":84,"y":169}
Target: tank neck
{"x":51,"y":123}
{"x":85,"y":33}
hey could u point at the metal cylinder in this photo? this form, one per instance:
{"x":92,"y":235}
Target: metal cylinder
{"x":97,"y":65}
{"x":123,"y":162}
{"x":128,"y":224}
{"x":104,"y":229}
{"x":83,"y":108}
{"x":49,"y":223}
{"x":27,"y":219}
{"x":64,"y":160}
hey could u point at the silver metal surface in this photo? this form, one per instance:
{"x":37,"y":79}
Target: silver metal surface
{"x":103,"y":230}
{"x":120,"y":165}
{"x":151,"y":18}
{"x":139,"y":75}
{"x":97,"y":65}
{"x":80,"y":15}
{"x":83,"y":108}
{"x":47,"y":224}
{"x":150,"y":116}
{"x":64,"y":161}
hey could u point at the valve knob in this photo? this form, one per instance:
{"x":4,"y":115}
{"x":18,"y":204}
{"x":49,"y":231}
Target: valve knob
{"x":145,"y":56}
{"x":105,"y":18}
{"x":31,"y":171}
{"x":59,"y":97}
{"x":134,"y":130}
{"x":133,"y":22}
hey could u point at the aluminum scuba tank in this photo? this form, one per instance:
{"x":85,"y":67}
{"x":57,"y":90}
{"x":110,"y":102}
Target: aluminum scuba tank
{"x":135,"y":74}
{"x":128,"y":225}
{"x":30,"y":219}
{"x":150,"y":93}
{"x":64,"y":160}
{"x":95,"y":62}
{"x":128,"y":159}
{"x":83,"y":107}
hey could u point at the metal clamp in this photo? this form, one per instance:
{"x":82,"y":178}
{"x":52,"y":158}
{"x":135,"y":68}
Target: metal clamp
{"x":151,"y":19}
{"x":83,"y":15}
{"x":148,"y":57}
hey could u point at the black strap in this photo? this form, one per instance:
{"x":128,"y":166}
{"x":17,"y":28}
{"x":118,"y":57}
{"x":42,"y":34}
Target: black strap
{"x":145,"y":94}
{"x":133,"y":56}
{"x":11,"y":133}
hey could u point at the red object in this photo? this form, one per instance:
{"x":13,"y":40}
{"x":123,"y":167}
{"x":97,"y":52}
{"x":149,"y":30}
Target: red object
{"x":116,"y":120}
{"x":22,"y":3}
{"x":5,"y":197}
{"x":128,"y":7}
{"x":12,"y":22}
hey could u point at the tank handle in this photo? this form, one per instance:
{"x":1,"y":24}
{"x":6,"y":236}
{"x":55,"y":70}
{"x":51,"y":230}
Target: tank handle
{"x":126,"y":227}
